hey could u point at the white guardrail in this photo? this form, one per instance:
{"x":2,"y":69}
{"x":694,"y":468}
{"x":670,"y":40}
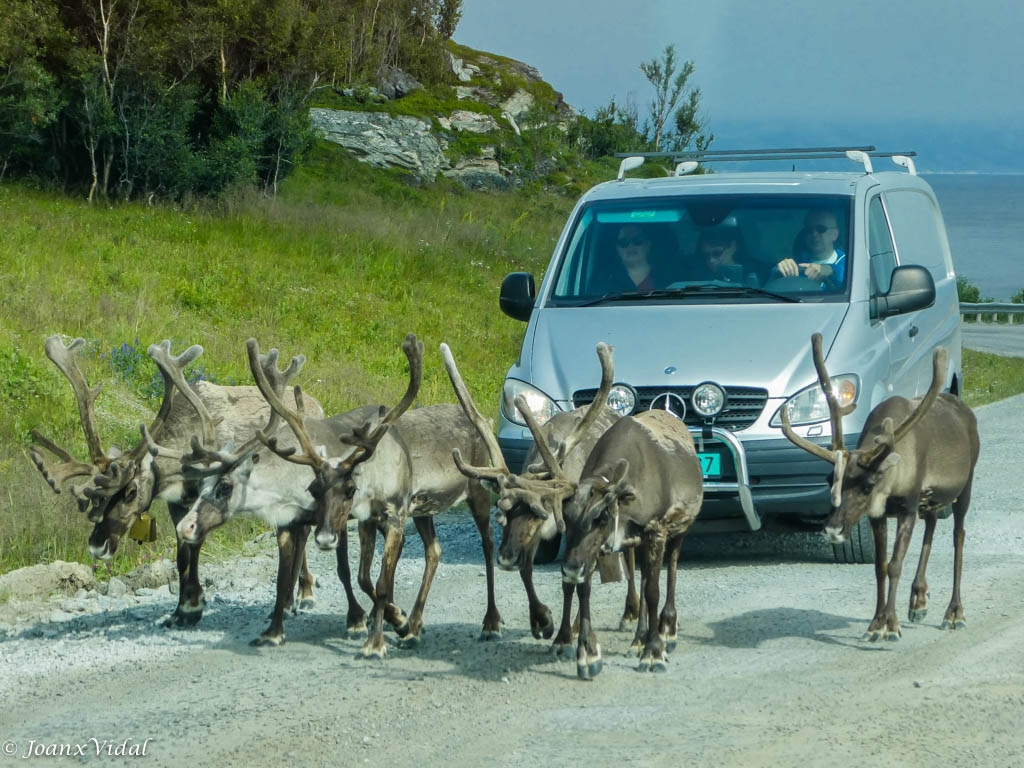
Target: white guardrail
{"x":992,"y":312}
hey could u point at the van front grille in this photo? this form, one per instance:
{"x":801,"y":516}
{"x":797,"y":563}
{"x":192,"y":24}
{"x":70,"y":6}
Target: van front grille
{"x":742,"y":407}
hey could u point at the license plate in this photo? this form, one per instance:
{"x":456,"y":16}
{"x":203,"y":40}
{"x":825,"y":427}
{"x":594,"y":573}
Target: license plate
{"x":711,"y":465}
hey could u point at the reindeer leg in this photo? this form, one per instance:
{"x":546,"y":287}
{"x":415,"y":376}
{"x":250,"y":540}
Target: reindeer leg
{"x":954,"y":618}
{"x":668,"y":626}
{"x":639,"y":637}
{"x":367,"y":549}
{"x":561,"y":646}
{"x":191,"y":602}
{"x":375,"y":646}
{"x":355,"y":618}
{"x":286,"y":556}
{"x":653,"y":658}
{"x":299,"y":570}
{"x":631,"y":612}
{"x":480,"y":506}
{"x":588,"y":651}
{"x":431,"y":557}
{"x":541,"y":622}
{"x":880,"y":534}
{"x":306,"y":581}
{"x":904,"y":530}
{"x":919,"y":589}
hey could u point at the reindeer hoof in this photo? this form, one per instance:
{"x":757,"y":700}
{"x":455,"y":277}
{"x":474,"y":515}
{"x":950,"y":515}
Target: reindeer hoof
{"x":543,"y":631}
{"x":562,"y":651}
{"x":372,"y":652}
{"x":356,"y":629}
{"x":652,"y":665}
{"x":917,"y":615}
{"x":409,"y":641}
{"x":589,"y":670}
{"x":307,"y":604}
{"x":627,"y":623}
{"x":954,"y":624}
{"x":489,"y":634}
{"x":183,"y":619}
{"x":891,"y":636}
{"x":268,"y":641}
{"x":402,"y":629}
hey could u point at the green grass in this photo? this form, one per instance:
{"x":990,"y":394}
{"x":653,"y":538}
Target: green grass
{"x":339,"y":267}
{"x":988,"y":378}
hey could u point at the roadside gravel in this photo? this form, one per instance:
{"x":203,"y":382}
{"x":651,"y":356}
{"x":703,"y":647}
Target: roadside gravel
{"x":769,"y":670}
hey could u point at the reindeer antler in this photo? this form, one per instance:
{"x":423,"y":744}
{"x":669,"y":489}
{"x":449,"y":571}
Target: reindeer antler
{"x":836,"y":412}
{"x":892,"y":435}
{"x":273,"y":395}
{"x":64,"y":357}
{"x":367,"y":436}
{"x":483,"y":426}
{"x":604,"y":355}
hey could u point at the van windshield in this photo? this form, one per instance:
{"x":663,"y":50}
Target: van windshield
{"x":720,"y":248}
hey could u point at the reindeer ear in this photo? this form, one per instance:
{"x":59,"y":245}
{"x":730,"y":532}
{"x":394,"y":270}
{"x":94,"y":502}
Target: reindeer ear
{"x":618,"y":471}
{"x":890,"y":461}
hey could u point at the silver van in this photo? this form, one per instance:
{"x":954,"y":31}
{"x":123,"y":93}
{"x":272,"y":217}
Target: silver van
{"x":726,"y":346}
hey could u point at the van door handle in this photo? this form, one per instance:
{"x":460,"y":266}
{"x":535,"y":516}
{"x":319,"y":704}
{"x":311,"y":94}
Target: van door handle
{"x":914,"y":331}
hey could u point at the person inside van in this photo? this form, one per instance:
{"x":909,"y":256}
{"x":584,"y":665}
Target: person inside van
{"x":815,"y":254}
{"x":633,"y":245}
{"x":719,"y":257}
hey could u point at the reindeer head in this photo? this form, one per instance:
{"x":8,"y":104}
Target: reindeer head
{"x":530,"y":504}
{"x":337,"y":472}
{"x":593,"y":518}
{"x":217,"y":481}
{"x":863,"y":478}
{"x":120,"y":486}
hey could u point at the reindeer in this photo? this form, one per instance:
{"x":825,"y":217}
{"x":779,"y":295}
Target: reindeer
{"x":227,"y":480}
{"x":121,"y":487}
{"x":913,"y":459}
{"x":396,"y":467}
{"x":530,"y":504}
{"x":642,"y":484}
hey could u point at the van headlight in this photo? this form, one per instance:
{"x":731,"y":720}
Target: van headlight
{"x":542,"y":406}
{"x":809,"y":406}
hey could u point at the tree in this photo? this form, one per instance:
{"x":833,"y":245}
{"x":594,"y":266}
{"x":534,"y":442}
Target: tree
{"x":670,"y":86}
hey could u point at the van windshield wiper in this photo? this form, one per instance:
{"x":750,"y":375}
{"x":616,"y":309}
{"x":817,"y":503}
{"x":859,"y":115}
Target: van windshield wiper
{"x":702,"y":289}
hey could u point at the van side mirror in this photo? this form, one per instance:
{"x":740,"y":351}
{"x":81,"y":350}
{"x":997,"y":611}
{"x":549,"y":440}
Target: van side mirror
{"x":517,"y":296}
{"x":912,"y":288}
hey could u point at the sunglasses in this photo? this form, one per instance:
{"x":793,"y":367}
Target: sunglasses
{"x":821,"y":229}
{"x":628,"y":241}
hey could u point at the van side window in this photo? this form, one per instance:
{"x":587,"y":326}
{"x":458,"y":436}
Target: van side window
{"x":883,"y":255}
{"x":920,"y":235}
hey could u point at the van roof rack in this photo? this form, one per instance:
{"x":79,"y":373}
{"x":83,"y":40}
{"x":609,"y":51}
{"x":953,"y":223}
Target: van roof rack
{"x":684,"y":158}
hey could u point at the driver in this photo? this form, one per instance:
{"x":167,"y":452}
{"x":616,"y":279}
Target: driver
{"x":815,"y":254}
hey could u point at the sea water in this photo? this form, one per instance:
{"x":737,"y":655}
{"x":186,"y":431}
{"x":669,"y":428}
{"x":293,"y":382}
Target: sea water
{"x":985,"y":222}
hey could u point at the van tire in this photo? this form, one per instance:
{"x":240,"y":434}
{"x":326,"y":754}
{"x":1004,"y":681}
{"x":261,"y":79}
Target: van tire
{"x":548,"y":550}
{"x":859,"y":547}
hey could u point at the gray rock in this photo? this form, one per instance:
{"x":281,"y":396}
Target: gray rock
{"x":384,"y":141}
{"x":116,"y":588}
{"x":395,"y":83}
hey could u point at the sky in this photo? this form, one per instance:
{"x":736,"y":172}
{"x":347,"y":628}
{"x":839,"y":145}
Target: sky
{"x":944,"y":78}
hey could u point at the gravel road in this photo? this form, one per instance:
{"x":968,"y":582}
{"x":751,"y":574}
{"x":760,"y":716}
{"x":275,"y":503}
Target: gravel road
{"x":770,"y":669}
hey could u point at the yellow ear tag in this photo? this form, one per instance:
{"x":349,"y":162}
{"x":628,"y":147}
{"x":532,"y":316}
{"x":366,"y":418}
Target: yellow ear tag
{"x":144,"y":529}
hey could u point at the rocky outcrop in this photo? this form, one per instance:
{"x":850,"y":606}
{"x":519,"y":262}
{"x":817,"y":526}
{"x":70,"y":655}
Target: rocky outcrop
{"x":410,"y":143}
{"x":383,"y":140}
{"x":386,"y":141}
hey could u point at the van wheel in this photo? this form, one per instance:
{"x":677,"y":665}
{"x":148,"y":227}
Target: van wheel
{"x":548,"y":549}
{"x":859,"y":547}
